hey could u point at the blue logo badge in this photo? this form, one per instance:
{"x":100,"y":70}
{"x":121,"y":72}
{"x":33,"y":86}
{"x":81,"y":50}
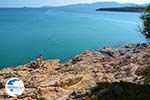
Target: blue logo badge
{"x":14,"y":87}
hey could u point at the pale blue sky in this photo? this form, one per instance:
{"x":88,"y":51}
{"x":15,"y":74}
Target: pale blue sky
{"x":38,"y":3}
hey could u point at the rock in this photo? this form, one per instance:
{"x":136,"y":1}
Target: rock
{"x":145,"y":45}
{"x":72,"y":94}
{"x":7,"y":75}
{"x":33,"y":65}
{"x":122,"y":51}
{"x":5,"y":97}
{"x":76,"y":59}
{"x":131,"y":46}
{"x":128,"y":56}
{"x":110,"y":52}
{"x":135,"y":50}
{"x":1,"y":85}
{"x":138,"y":44}
{"x":108,"y":68}
{"x":118,"y":75}
{"x":107,"y":49}
{"x":75,"y":95}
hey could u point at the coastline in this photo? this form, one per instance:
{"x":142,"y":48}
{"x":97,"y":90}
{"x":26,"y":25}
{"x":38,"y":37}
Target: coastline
{"x":61,"y":81}
{"x":123,"y":9}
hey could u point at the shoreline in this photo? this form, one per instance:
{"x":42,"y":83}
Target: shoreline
{"x":61,"y":81}
{"x":135,"y":9}
{"x":65,"y":61}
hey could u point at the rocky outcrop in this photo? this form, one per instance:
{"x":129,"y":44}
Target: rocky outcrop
{"x":75,"y":78}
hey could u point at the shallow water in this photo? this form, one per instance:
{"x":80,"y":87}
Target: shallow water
{"x":26,"y":33}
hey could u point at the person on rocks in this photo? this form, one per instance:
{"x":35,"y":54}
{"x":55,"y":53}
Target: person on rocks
{"x":39,"y":61}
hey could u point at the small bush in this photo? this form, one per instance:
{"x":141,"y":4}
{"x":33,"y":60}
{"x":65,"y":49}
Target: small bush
{"x":146,"y":22}
{"x":121,"y":91}
{"x":146,"y":74}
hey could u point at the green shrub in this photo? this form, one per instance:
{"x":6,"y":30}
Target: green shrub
{"x":121,"y":91}
{"x":94,"y":97}
{"x":146,"y":22}
{"x":146,"y":74}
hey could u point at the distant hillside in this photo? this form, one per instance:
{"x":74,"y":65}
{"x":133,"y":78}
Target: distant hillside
{"x":90,"y":7}
{"x":124,"y":9}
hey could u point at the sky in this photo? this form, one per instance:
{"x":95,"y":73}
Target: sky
{"x":39,"y":3}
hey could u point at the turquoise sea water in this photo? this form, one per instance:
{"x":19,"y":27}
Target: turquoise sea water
{"x":26,"y":33}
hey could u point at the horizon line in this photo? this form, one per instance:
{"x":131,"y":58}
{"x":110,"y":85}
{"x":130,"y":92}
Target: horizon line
{"x":72,"y":4}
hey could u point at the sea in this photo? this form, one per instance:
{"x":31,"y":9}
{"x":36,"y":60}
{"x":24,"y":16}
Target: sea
{"x":57,"y":34}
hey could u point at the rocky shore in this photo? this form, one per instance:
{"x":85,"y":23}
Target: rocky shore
{"x":87,"y":76}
